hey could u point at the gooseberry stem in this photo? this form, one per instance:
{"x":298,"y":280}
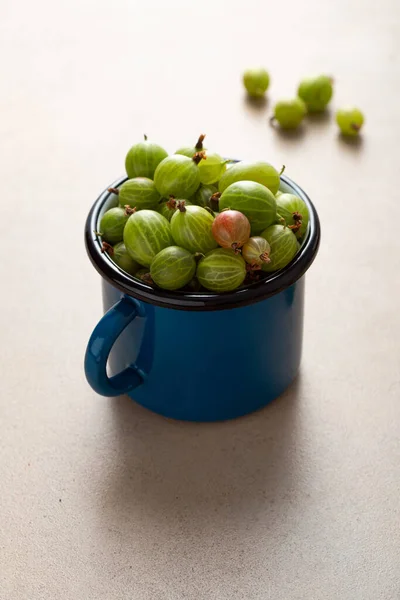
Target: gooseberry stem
{"x":298,"y":220}
{"x":146,"y":277}
{"x":181,"y":206}
{"x":199,"y":156}
{"x":105,"y":247}
{"x":199,"y":144}
{"x":215,"y":197}
{"x":129,"y":210}
{"x":145,"y":137}
{"x":113,"y":190}
{"x":172,"y":202}
{"x":283,"y":168}
{"x":253,"y":267}
{"x":265,"y":257}
{"x":235,"y":247}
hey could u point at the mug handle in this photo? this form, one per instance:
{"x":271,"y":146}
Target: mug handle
{"x":98,"y":349}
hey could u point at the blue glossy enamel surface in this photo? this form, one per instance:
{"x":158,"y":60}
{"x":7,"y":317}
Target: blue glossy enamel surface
{"x":202,"y":366}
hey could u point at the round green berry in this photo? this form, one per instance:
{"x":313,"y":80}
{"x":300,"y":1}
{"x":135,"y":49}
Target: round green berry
{"x":122,"y":258}
{"x":191,"y":228}
{"x":221,"y":270}
{"x":252,"y":199}
{"x":283,"y":247}
{"x":350,"y":120}
{"x":147,"y":233}
{"x":173,"y":268}
{"x":293,"y":213}
{"x":139,"y":193}
{"x":203,"y":195}
{"x":112,"y":225}
{"x":258,"y":171}
{"x":289,"y":113}
{"x":211,"y":168}
{"x":316,"y":92}
{"x":256,"y":82}
{"x":143,"y":159}
{"x":178,"y":176}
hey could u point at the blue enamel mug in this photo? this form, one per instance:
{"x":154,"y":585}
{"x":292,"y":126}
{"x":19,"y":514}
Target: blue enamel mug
{"x":198,"y":356}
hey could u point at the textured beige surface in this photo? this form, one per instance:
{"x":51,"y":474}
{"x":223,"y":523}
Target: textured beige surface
{"x":101,"y":500}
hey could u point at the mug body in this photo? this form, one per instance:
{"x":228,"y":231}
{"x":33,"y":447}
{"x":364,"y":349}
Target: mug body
{"x":211,"y":365}
{"x":197,"y":356}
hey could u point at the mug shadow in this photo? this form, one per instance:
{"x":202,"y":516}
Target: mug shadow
{"x":203,"y":469}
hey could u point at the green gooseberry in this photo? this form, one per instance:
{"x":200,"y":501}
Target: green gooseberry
{"x":203,"y":195}
{"x":191,"y":228}
{"x":252,"y":199}
{"x":258,"y":171}
{"x":122,"y":258}
{"x":147,"y":233}
{"x":289,"y":113}
{"x":143,"y":158}
{"x":173,"y":268}
{"x":293,"y":212}
{"x":112,"y":225}
{"x":316,"y":92}
{"x":178,"y":176}
{"x":139,"y":193}
{"x":211,"y":168}
{"x":350,"y":120}
{"x":256,"y":82}
{"x":283,"y":247}
{"x":221,"y":270}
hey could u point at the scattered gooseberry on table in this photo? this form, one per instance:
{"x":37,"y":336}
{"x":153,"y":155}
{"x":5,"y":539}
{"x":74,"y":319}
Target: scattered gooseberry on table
{"x":289,"y":113}
{"x":256,"y":82}
{"x":350,"y":120}
{"x":316,"y":92}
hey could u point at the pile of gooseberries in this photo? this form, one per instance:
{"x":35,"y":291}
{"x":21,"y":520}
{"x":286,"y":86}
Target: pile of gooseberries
{"x":194,"y":221}
{"x":313,"y":96}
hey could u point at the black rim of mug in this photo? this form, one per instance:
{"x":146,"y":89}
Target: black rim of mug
{"x":202,"y":301}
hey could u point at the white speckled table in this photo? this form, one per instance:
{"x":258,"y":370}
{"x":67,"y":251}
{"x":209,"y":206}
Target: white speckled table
{"x":101,"y":499}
